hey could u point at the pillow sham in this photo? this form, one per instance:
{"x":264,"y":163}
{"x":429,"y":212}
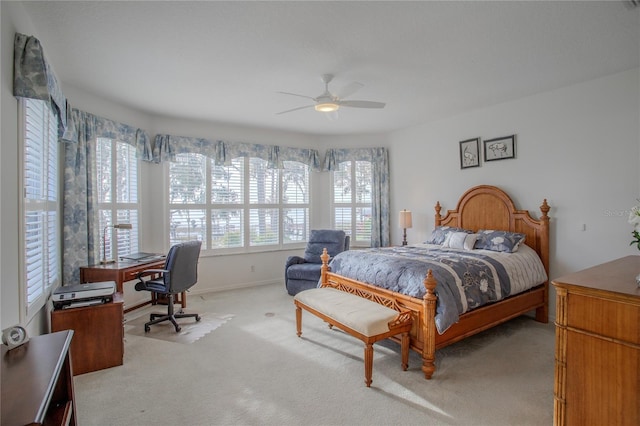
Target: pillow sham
{"x":504,"y":241}
{"x":460,"y":240}
{"x":439,"y":234}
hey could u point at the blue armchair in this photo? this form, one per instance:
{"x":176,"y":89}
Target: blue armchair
{"x":301,"y":273}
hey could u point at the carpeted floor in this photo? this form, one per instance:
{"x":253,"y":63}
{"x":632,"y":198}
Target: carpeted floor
{"x":254,"y":370}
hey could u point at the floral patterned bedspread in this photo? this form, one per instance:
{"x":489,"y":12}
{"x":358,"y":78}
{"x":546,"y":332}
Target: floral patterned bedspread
{"x":467,"y":279}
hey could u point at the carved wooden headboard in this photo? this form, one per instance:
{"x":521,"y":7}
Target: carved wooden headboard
{"x":489,"y":207}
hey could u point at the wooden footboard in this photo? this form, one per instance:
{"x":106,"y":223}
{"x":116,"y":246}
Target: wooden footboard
{"x":424,"y":337}
{"x":423,"y":314}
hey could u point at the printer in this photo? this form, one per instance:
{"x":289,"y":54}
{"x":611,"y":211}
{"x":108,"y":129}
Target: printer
{"x":75,"y":296}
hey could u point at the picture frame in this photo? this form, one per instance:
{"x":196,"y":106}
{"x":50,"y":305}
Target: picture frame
{"x":500,"y":148}
{"x":470,"y":153}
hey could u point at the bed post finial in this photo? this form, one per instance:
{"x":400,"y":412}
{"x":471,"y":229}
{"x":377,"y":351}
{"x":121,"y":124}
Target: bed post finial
{"x":325,"y":267}
{"x":544,"y":208}
{"x":438,"y":217}
{"x":429,"y":326}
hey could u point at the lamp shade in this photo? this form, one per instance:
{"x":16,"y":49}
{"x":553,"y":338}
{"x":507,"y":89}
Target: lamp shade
{"x":405,"y":219}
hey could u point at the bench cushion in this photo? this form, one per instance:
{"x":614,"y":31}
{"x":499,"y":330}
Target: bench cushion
{"x":362,"y":315}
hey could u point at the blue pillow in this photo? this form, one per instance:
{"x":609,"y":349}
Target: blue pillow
{"x":439,"y":234}
{"x":504,"y":241}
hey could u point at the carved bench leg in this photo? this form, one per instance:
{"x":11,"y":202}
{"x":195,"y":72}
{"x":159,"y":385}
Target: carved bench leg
{"x":404,"y":348}
{"x":299,"y":320}
{"x":368,"y":363}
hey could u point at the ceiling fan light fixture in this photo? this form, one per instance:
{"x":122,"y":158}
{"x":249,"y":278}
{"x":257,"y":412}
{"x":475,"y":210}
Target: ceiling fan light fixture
{"x":327,"y":107}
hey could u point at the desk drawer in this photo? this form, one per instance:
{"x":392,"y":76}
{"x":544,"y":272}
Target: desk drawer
{"x":129,"y":275}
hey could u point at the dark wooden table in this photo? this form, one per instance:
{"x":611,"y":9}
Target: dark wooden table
{"x":37,"y":382}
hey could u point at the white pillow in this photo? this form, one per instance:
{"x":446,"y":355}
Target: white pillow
{"x":460,"y":240}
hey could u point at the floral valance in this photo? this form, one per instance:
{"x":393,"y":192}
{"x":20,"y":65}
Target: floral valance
{"x":33,"y":77}
{"x":166,"y":147}
{"x":84,"y":126}
{"x":333,"y":157}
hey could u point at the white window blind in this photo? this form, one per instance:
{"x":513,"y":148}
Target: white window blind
{"x":263,"y":197}
{"x":295,"y":199}
{"x":41,"y":256}
{"x":352,"y":191}
{"x":227,"y":199}
{"x":187,"y":198}
{"x":117,"y":191}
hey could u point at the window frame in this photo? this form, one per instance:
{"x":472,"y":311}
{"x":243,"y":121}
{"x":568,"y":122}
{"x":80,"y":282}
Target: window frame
{"x":246,"y":207}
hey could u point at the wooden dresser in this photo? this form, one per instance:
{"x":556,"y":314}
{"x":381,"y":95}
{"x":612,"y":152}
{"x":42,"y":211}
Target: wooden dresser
{"x":597,"y":372}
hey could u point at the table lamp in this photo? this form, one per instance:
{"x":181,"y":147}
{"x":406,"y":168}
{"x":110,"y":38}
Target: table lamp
{"x":104,"y":260}
{"x":405,"y":222}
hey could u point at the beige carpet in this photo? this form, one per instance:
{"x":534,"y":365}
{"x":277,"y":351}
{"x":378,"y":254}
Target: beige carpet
{"x":254,"y":370}
{"x":190,"y":329}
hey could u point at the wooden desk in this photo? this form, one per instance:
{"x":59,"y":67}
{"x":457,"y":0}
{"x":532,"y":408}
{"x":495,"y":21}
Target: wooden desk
{"x":122,"y":272}
{"x":98,"y":340}
{"x":37,"y":382}
{"x":597,"y":372}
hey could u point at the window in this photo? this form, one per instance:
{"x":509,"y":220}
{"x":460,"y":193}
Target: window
{"x":117,"y":194}
{"x":41,"y":254}
{"x":352,"y":186}
{"x":238,"y":206}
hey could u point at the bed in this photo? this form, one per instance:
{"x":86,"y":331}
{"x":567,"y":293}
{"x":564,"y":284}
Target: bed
{"x":482,"y":207}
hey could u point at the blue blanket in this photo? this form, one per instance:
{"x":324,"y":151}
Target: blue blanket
{"x":466,"y":279}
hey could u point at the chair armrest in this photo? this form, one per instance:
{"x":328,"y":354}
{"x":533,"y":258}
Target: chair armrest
{"x":294,"y":260}
{"x":150,"y":272}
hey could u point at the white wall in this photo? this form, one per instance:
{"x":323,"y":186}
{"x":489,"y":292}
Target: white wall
{"x":578,"y":147}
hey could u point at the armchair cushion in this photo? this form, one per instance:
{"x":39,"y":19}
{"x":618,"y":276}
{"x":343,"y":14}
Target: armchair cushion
{"x":333,"y":240}
{"x":305,"y":271}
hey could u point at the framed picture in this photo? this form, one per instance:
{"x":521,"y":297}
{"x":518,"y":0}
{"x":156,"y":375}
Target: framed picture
{"x":500,"y":148}
{"x":470,"y":153}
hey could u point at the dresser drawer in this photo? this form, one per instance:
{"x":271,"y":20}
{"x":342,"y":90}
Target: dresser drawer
{"x":604,"y":317}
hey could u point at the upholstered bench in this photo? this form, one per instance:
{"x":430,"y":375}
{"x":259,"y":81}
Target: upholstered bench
{"x":357,"y":316}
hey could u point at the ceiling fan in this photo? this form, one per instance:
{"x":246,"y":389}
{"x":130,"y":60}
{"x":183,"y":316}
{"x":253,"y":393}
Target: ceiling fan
{"x":329,"y":102}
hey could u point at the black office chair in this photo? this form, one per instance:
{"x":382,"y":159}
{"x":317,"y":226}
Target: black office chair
{"x":179,"y":274}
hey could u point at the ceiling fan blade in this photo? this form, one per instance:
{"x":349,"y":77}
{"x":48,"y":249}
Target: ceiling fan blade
{"x":294,"y":109}
{"x":349,"y":90}
{"x":295,"y":94}
{"x":361,"y":104}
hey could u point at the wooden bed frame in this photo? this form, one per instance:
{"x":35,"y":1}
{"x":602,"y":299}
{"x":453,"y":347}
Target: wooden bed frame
{"x":481,"y":207}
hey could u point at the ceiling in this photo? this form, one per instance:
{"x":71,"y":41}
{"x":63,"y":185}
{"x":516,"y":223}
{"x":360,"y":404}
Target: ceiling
{"x":226,"y":61}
